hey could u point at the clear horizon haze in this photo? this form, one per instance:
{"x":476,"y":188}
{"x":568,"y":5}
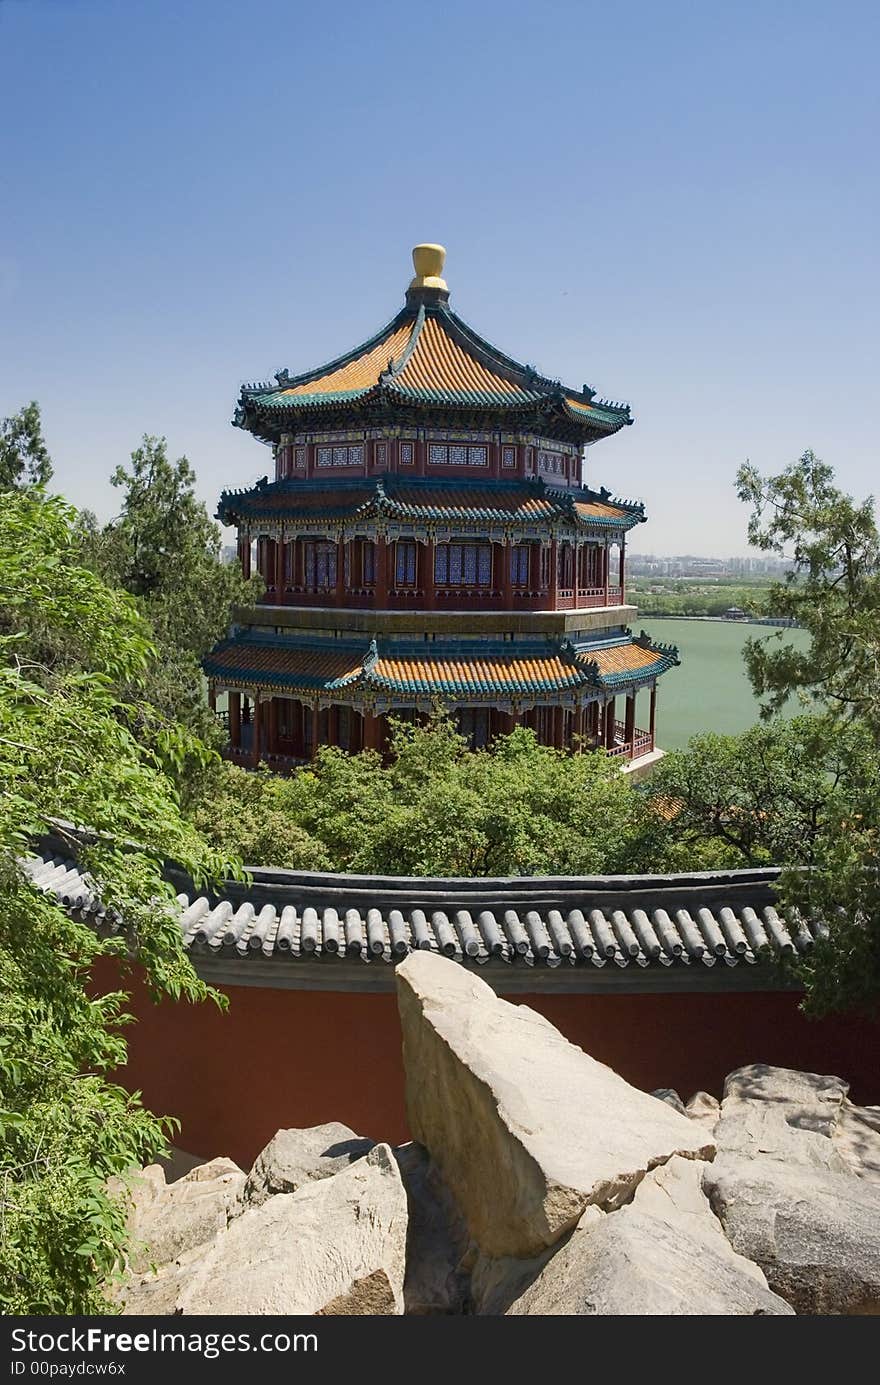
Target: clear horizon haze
{"x":676,"y":204}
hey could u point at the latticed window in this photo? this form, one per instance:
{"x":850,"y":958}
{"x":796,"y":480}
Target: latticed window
{"x":463,"y":565}
{"x":405,"y":565}
{"x":457,"y":454}
{"x":368,"y":559}
{"x":545,"y":567}
{"x":590,"y":565}
{"x":519,"y":565}
{"x":566,"y":565}
{"x":320,"y":566}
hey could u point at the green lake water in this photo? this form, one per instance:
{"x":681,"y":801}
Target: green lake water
{"x":710,"y":691}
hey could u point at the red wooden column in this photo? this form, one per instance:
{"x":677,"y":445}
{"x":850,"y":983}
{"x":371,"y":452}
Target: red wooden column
{"x":256,"y":731}
{"x":534,"y":566}
{"x":554,"y":575}
{"x":382,"y":551}
{"x":340,"y":574}
{"x":629,"y":733}
{"x":606,"y":556}
{"x":279,"y":569}
{"x":609,"y":724}
{"x":653,"y":712}
{"x":333,"y":725}
{"x":372,"y":731}
{"x":506,"y":552}
{"x":234,"y":719}
{"x":558,"y":727}
{"x":622,"y":567}
{"x":429,"y":585}
{"x":244,"y":556}
{"x":212,"y":698}
{"x":272,"y":729}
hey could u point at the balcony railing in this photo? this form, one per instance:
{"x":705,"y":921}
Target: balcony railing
{"x":642,"y":743}
{"x":447,"y":598}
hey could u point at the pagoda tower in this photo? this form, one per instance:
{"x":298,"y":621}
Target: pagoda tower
{"x":428,"y":538}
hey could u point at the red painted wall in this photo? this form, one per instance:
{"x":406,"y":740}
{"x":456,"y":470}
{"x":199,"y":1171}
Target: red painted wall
{"x":299,"y":1058}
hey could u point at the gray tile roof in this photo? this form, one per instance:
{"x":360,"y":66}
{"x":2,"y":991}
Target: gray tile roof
{"x":284,"y":928}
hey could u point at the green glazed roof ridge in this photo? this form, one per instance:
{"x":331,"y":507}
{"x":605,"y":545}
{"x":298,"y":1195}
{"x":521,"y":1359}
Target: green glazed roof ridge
{"x":284,"y":380}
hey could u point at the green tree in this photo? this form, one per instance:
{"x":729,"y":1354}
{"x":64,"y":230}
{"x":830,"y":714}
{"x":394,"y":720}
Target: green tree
{"x":24,"y":457}
{"x":435,"y":808}
{"x":765,"y":797}
{"x":834,"y":593}
{"x":832,"y":590}
{"x":67,"y":752}
{"x":165,"y":550}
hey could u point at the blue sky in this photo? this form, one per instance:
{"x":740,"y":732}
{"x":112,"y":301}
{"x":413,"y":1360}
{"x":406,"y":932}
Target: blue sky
{"x":676,"y":203}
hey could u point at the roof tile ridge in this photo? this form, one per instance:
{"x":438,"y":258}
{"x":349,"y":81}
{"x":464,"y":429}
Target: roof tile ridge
{"x":489,"y":355}
{"x":284,"y":380}
{"x":606,"y":497}
{"x":397,"y":367}
{"x":666,"y":651}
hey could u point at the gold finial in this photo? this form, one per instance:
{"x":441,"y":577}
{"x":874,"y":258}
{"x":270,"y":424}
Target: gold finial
{"x":428,"y":263}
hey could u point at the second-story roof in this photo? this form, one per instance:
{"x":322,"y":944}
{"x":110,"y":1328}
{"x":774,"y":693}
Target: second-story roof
{"x":426,"y":499}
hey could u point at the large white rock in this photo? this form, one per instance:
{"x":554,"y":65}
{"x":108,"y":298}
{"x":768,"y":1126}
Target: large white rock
{"x":664,"y":1253}
{"x":814,"y":1232}
{"x":857,"y":1140}
{"x":631,"y":1263}
{"x":527,"y":1129}
{"x":783,"y":1114}
{"x":168,"y":1220}
{"x":335,"y":1246}
{"x":293,"y":1158}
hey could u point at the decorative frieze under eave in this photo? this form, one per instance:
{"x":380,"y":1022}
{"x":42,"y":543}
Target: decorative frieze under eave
{"x":544,"y":533}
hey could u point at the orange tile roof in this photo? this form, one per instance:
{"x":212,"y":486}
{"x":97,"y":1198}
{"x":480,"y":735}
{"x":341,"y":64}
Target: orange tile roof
{"x":579,"y":406}
{"x":305,"y":666}
{"x":438,"y":362}
{"x":622,"y":658}
{"x":477,"y":675}
{"x":596,"y":509}
{"x":298,"y":664}
{"x":361,"y":372}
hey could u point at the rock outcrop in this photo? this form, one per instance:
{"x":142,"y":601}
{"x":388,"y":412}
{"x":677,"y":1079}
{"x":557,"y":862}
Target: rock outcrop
{"x":786,"y":1186}
{"x":336,"y":1245}
{"x":539,"y":1182}
{"x":293,"y":1158}
{"x":527,"y":1130}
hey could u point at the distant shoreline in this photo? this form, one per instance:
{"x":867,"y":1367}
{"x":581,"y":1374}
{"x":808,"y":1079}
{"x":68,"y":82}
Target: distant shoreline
{"x":781,"y":622}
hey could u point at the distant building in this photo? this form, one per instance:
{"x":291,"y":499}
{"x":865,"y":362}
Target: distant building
{"x":427,"y":537}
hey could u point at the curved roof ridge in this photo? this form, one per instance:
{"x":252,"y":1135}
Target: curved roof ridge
{"x":397,"y":367}
{"x":284,"y":380}
{"x":493,"y":357}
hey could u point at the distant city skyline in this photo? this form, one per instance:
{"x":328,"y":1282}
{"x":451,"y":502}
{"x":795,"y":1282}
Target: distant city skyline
{"x":676,"y":205}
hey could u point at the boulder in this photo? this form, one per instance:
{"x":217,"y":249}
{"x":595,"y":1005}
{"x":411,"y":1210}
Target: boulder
{"x":437,"y":1278}
{"x":671,"y":1097}
{"x":664,"y":1253}
{"x":167,"y":1220}
{"x":631,"y":1263}
{"x":704,"y":1108}
{"x":815,"y":1232}
{"x":336,"y":1245}
{"x":783,"y":1114}
{"x":857,"y":1140}
{"x":526,"y":1129}
{"x":293,"y":1158}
